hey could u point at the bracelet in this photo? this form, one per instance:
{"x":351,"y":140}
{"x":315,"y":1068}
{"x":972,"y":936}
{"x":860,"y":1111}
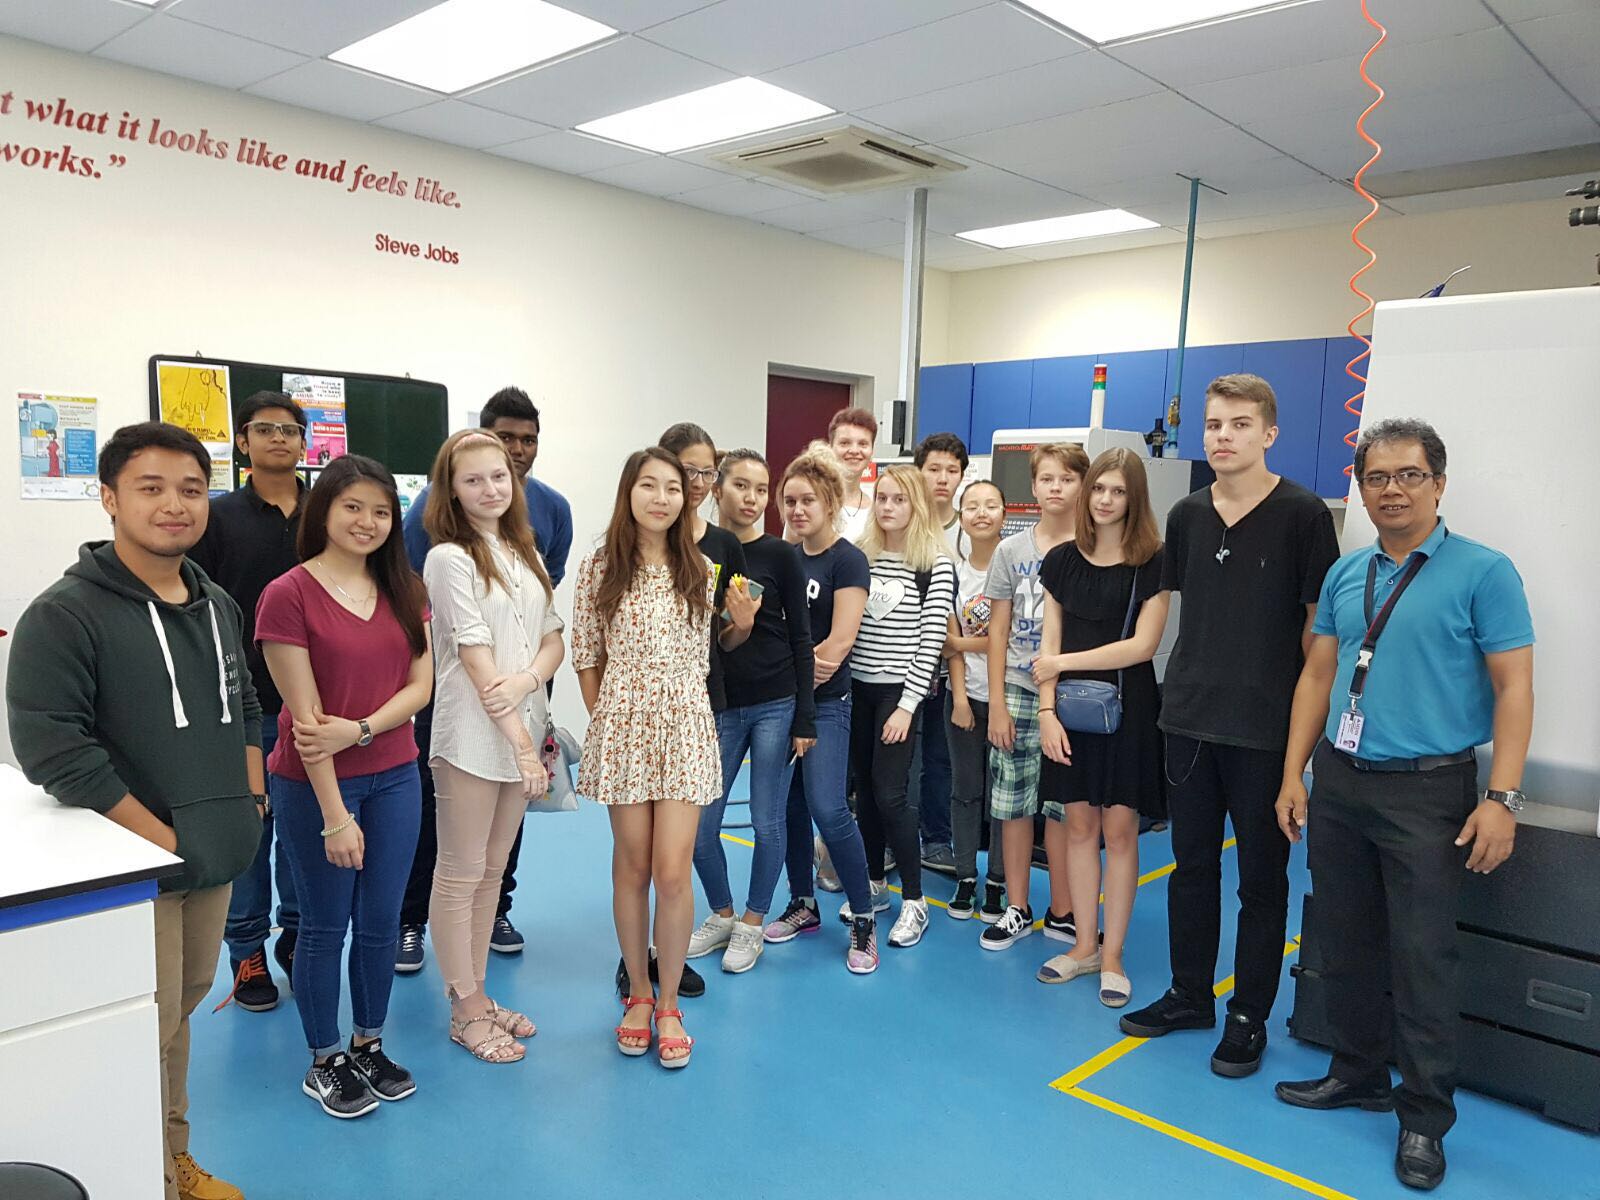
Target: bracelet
{"x":349,"y":820}
{"x":534,"y":675}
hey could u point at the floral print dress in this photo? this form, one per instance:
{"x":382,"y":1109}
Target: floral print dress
{"x":651,"y":735}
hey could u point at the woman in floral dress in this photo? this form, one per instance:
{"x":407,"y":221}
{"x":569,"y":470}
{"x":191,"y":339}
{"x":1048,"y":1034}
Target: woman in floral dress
{"x":641,"y":635}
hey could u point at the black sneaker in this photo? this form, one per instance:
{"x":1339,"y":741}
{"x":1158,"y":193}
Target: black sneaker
{"x":1172,"y":1011}
{"x":505,"y":939}
{"x":387,"y":1078}
{"x":408,"y":958}
{"x":1008,"y":930}
{"x":1062,"y":929}
{"x":283,"y":951}
{"x":253,"y":989}
{"x":1239,"y":1052}
{"x":339,"y":1088}
{"x":994,"y":903}
{"x":961,"y":904}
{"x":691,"y":987}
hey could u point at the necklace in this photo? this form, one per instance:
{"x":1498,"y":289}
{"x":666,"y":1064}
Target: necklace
{"x":328,"y":575}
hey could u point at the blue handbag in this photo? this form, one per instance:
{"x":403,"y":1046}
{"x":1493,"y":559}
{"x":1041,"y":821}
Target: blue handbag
{"x":1092,"y":705}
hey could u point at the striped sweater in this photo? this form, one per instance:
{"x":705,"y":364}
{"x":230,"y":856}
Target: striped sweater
{"x":900,"y":637}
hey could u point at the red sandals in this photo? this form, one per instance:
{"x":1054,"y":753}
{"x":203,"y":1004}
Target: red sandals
{"x":671,"y":1043}
{"x":626,"y":1031}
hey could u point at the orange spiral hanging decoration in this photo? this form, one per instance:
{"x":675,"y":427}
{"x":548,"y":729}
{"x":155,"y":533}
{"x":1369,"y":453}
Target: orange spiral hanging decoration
{"x":1353,"y":405}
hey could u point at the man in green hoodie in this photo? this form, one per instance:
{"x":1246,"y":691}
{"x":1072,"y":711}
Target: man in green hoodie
{"x":128,"y":694}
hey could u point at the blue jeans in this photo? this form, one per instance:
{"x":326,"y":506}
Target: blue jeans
{"x":388,"y":806}
{"x":818,"y":794}
{"x":250,"y":910}
{"x":930,"y":772}
{"x":763,"y":731}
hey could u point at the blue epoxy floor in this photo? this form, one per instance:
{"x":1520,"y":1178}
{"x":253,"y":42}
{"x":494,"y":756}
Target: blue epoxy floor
{"x":930,"y":1078}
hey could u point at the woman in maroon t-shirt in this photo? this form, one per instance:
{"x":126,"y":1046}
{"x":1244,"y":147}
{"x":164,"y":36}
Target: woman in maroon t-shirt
{"x":345,"y":637}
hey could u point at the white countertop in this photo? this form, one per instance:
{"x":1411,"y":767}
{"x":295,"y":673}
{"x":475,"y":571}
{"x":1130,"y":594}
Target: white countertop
{"x":49,"y":849}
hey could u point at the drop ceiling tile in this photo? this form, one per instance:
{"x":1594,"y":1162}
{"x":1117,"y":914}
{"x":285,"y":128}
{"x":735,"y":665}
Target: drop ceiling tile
{"x":1290,"y":37}
{"x":174,"y":47}
{"x":1165,"y":198}
{"x":754,"y":36}
{"x":343,"y":91}
{"x":659,"y":176}
{"x":1570,"y":46}
{"x":70,"y":24}
{"x":740,"y":197}
{"x":1323,"y":196}
{"x":985,"y":42}
{"x":632,"y":15}
{"x":1047,"y":89}
{"x":1133,"y":240}
{"x":1528,"y":10}
{"x":1272,"y":222}
{"x":869,"y":235}
{"x":462,"y":124}
{"x":979,"y":262}
{"x":314,"y":27}
{"x":1341,"y":156}
{"x":610,"y":78}
{"x":573,"y":153}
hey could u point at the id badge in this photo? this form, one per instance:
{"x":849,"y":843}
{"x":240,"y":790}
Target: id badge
{"x":1349,"y":739}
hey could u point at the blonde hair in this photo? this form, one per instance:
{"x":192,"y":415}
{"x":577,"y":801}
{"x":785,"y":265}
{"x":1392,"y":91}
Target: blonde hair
{"x":444,"y":521}
{"x":820,"y":467}
{"x":925,"y":544}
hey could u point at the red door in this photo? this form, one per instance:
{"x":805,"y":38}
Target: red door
{"x":798,"y":412}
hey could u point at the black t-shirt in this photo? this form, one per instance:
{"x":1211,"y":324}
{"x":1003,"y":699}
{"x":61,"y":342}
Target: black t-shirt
{"x":841,"y":565}
{"x":1232,"y":674}
{"x":1094,"y":600}
{"x":247,"y":544}
{"x":776,"y":661}
{"x":727,"y":560}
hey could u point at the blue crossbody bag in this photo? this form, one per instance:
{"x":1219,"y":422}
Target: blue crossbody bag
{"x":1092,"y":705}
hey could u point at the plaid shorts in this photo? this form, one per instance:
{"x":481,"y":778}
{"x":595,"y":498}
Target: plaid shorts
{"x":1015,"y":773}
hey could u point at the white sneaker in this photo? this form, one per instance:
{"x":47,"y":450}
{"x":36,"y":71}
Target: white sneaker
{"x":880,"y":902}
{"x":827,"y":877}
{"x":910,"y":925}
{"x":713,"y":934}
{"x":744,"y":947}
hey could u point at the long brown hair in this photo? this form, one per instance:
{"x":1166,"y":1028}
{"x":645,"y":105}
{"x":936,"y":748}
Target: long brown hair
{"x":387,"y":565}
{"x":684,"y":560}
{"x":446,"y":522}
{"x":1141,"y":537}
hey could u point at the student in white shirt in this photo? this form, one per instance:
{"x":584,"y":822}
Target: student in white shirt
{"x":497,"y":640}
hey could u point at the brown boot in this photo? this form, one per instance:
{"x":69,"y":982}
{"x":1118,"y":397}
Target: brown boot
{"x":195,"y":1184}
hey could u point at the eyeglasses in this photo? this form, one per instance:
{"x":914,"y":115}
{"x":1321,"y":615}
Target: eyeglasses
{"x":700,"y":474}
{"x":1410,"y":479}
{"x":990,"y":506}
{"x":288,"y":430}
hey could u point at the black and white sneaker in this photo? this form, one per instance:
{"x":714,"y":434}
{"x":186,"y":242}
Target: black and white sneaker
{"x":387,"y":1078}
{"x":962,"y":903}
{"x":1016,"y":924}
{"x":1062,"y":929}
{"x":994,"y":903}
{"x":338,"y":1087}
{"x":408,"y":954}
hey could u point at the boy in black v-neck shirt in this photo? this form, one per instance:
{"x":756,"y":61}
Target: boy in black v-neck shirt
{"x":1248,"y":555}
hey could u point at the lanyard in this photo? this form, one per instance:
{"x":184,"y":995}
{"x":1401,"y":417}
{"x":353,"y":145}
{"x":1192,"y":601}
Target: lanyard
{"x":1376,"y":624}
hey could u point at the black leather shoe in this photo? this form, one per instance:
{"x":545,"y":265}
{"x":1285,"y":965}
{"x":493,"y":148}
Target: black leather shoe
{"x":1419,"y":1161}
{"x":1328,"y":1092}
{"x":692,"y":986}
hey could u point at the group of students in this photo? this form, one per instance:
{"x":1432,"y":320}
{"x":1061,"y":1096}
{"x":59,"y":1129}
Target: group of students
{"x":821,"y":655}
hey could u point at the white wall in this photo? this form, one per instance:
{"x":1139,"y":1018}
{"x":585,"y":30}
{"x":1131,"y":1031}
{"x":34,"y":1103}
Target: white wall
{"x":619,"y":313}
{"x":1259,"y":287}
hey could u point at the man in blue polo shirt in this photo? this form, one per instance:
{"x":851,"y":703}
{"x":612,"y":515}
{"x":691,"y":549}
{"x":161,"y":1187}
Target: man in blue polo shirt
{"x":512,"y":418}
{"x":1422,"y":651}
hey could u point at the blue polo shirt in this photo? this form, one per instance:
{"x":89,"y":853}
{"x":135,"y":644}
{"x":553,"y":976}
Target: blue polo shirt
{"x":1428,"y":691}
{"x":548,"y":513}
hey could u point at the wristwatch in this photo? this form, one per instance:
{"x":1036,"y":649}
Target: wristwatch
{"x":263,"y":802}
{"x":366,"y":734}
{"x":1514,"y":799}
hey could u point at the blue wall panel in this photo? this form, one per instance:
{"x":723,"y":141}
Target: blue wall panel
{"x":1000,"y":397}
{"x":1060,"y":394}
{"x":944,"y":401}
{"x":1136,"y":389}
{"x":1294,"y":369}
{"x":1201,"y":364}
{"x":1333,"y":456}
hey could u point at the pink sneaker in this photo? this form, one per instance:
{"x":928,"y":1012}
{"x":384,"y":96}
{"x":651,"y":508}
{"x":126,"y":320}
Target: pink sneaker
{"x":862,"y":957}
{"x":798,"y":918}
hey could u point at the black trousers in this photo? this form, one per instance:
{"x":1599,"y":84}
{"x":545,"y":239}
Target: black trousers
{"x":1387,"y":875}
{"x":419,"y":885}
{"x":883,"y":775}
{"x":1212,"y":783}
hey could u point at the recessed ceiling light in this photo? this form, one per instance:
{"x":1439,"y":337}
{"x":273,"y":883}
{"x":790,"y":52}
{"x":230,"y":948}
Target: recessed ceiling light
{"x":713,"y":114}
{"x":459,"y":43}
{"x":1101,"y":22}
{"x":1058,"y":229}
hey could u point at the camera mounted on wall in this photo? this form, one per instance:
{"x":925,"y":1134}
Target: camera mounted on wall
{"x":1588,"y":214}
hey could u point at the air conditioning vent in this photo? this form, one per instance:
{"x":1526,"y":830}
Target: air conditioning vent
{"x":840,"y":160}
